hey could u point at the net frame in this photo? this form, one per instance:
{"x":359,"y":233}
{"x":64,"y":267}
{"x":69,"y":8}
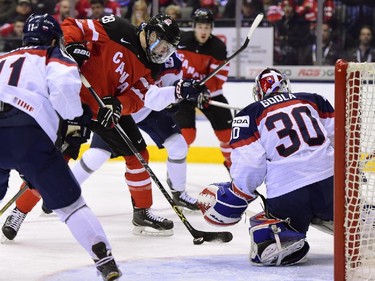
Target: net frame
{"x":354,"y":152}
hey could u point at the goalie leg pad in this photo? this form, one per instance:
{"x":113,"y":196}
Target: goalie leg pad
{"x":273,"y":244}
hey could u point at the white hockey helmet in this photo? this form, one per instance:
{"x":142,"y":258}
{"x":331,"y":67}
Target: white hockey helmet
{"x":270,"y":81}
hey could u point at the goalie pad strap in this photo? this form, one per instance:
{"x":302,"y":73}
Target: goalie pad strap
{"x":273,"y":243}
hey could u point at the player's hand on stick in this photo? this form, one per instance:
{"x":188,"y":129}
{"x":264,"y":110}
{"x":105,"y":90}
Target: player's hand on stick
{"x":203,"y":99}
{"x":77,"y":131}
{"x":78,"y":52}
{"x":188,"y":89}
{"x":223,"y":205}
{"x":109,"y":115}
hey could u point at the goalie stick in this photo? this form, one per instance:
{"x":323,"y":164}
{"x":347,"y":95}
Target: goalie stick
{"x":199,"y":236}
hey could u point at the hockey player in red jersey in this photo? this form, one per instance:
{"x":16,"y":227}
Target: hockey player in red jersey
{"x":285,"y":140}
{"x":162,"y":129}
{"x":121,"y":63}
{"x":201,"y":52}
{"x":39,"y":85}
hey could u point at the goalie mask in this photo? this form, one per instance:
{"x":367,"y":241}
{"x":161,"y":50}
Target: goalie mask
{"x":268,"y":82}
{"x":162,"y":38}
{"x":41,"y":30}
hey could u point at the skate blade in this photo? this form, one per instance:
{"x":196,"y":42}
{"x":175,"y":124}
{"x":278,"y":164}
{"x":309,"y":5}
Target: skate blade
{"x":149,"y":231}
{"x":5,"y":240}
{"x":113,"y":276}
{"x":50,"y":215}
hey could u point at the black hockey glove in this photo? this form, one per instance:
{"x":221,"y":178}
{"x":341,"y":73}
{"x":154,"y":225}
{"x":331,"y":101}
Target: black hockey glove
{"x":188,"y":89}
{"x":77,"y":131}
{"x":78,"y":51}
{"x":109,"y":115}
{"x":203,"y":99}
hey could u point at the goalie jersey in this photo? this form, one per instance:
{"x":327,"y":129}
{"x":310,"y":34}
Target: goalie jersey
{"x":285,"y":141}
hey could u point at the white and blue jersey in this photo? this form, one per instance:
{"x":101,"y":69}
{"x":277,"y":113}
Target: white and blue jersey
{"x":170,"y":72}
{"x":30,"y":81}
{"x":37,"y":85}
{"x":285,"y":141}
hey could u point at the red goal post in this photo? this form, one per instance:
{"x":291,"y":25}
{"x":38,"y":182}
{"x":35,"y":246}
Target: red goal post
{"x":354,"y":233}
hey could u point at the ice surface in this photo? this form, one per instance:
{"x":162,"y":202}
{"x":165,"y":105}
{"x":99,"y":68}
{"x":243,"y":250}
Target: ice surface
{"x":44,"y":249}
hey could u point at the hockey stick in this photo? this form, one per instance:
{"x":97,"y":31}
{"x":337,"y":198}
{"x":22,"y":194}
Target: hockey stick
{"x":13,"y":199}
{"x":199,"y":236}
{"x":255,"y":24}
{"x":223,"y":105}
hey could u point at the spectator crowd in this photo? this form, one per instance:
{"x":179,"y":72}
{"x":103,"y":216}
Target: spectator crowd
{"x":347,"y":30}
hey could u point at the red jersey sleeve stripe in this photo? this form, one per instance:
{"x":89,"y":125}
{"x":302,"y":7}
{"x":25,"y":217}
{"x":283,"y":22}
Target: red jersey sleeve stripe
{"x":247,"y":141}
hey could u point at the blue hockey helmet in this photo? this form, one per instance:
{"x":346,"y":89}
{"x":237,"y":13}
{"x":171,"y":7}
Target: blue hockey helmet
{"x":41,"y":30}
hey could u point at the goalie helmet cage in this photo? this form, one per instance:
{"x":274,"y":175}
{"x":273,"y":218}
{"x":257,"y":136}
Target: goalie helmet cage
{"x":354,"y":219}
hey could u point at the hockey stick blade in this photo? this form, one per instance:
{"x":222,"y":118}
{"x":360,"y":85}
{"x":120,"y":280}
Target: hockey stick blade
{"x":221,"y":237}
{"x":255,"y":24}
{"x":199,"y":236}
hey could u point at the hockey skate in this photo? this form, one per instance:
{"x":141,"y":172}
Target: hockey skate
{"x":146,"y":223}
{"x":13,"y":224}
{"x":45,"y":210}
{"x":105,"y":263}
{"x":182,"y":199}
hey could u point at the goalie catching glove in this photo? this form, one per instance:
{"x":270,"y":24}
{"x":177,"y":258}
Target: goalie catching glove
{"x":190,"y":90}
{"x":109,"y":115}
{"x":223,"y":203}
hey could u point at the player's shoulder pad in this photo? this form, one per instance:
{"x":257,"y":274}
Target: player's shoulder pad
{"x":218,"y":47}
{"x":312,"y":97}
{"x":54,"y":52}
{"x":120,"y":30}
{"x":186,"y":37}
{"x":251,"y":112}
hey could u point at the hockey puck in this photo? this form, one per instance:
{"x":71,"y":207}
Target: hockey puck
{"x":198,"y":241}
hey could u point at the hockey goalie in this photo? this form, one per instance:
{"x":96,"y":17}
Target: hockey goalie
{"x":284,"y":140}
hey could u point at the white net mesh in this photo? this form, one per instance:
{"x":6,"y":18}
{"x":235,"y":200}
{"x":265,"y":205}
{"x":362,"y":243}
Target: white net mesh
{"x":360,"y":176}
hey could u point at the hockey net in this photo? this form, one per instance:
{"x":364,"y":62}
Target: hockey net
{"x":354,"y":171}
